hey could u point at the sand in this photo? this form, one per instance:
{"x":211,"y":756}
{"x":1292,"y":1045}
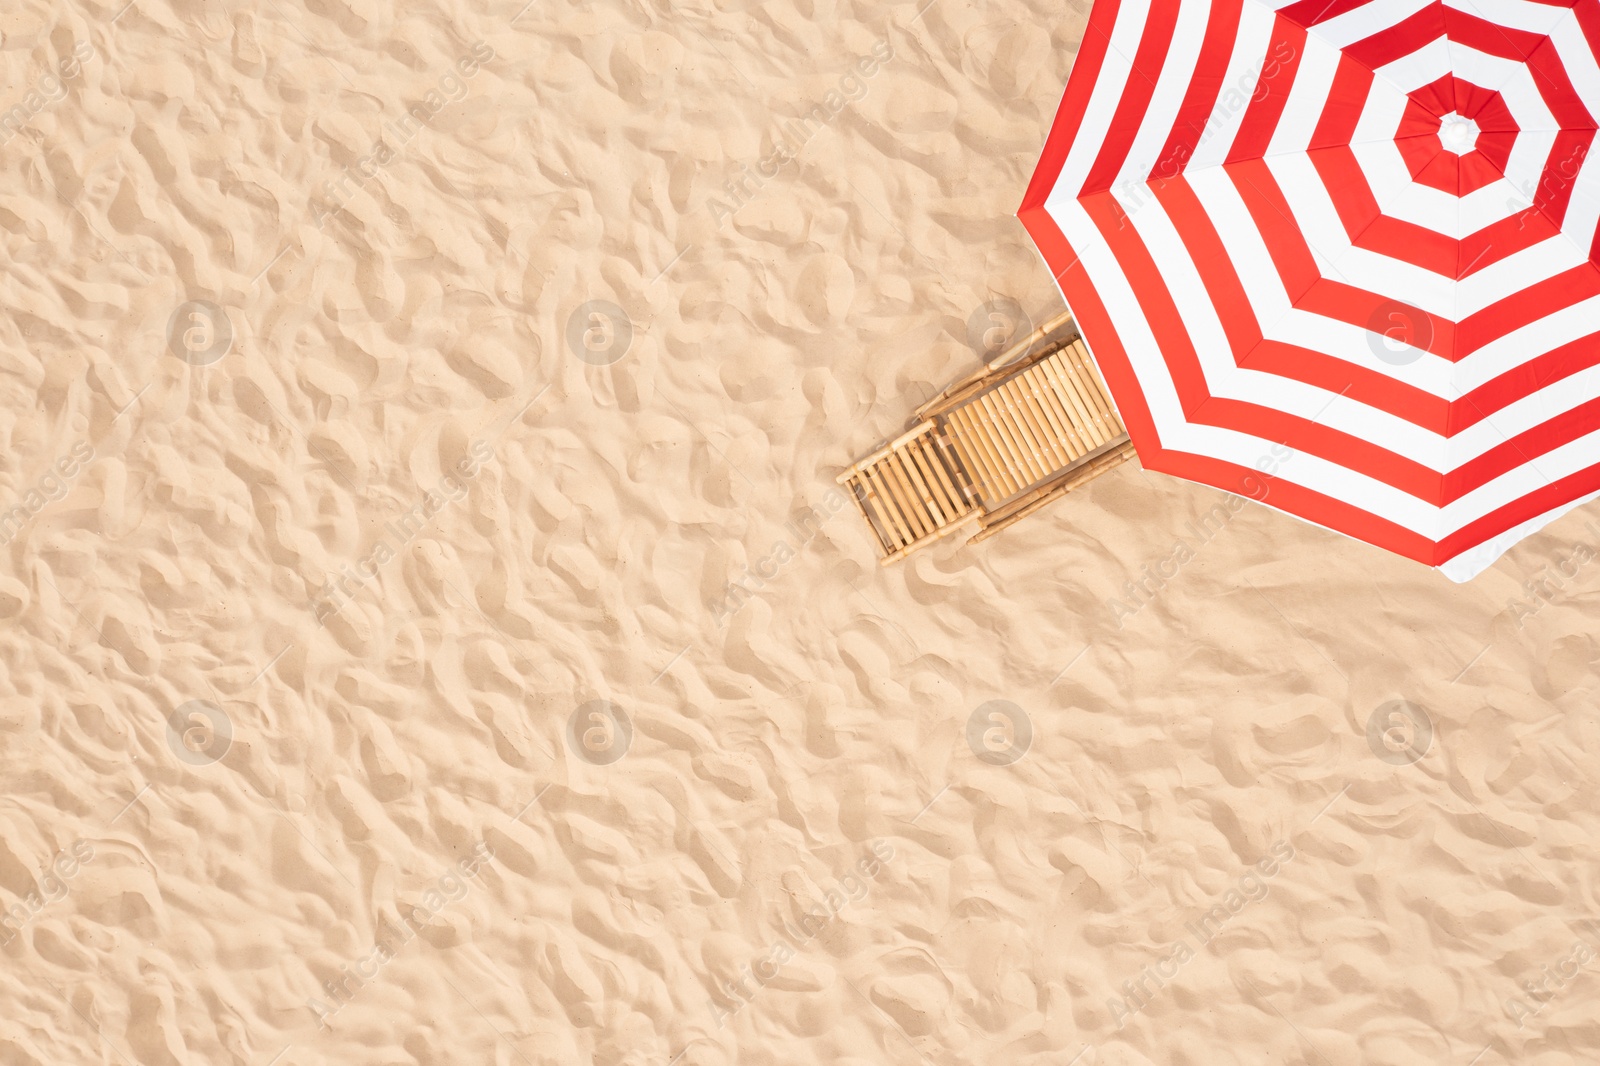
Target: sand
{"x":374,"y":691}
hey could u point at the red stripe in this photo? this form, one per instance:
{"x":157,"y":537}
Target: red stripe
{"x":1491,"y":38}
{"x":1199,"y":406}
{"x":1477,"y":331}
{"x":1301,"y":502}
{"x":1588,"y":15}
{"x":1485,"y":248}
{"x":1525,"y":508}
{"x":1525,"y":447}
{"x":1165,"y":321}
{"x":1411,"y":243}
{"x":1416,"y":121}
{"x":1560,"y":173}
{"x":1523,"y":380}
{"x":1340,"y":377}
{"x":1341,"y":114}
{"x":1475,"y":169}
{"x":1308,"y":13}
{"x":1425,"y":156}
{"x":1400,"y":40}
{"x":1347,"y":188}
{"x":1368,"y":227}
{"x":1324,"y":442}
{"x":1137,"y":92}
{"x":1486,"y":107}
{"x":1155,"y":300}
{"x":1338,"y":515}
{"x":1396,"y":319}
{"x":1443,"y":172}
{"x":1200,"y":101}
{"x":1560,"y":96}
{"x":1438,"y":97}
{"x":1495,"y":147}
{"x":1422,"y":156}
{"x":1340,"y":302}
{"x":1205,"y":248}
{"x":1297,"y":267}
{"x":1074,"y":102}
{"x":1271,"y":92}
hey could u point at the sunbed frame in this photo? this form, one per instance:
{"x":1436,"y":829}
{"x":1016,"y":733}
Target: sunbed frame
{"x":1025,"y":429}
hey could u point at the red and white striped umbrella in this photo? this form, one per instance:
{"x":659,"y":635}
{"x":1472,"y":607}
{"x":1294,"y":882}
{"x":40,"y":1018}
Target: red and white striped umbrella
{"x":1341,"y":256}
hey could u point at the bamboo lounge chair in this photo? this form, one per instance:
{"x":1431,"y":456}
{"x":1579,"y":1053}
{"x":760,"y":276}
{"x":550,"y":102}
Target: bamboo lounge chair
{"x":1025,"y":429}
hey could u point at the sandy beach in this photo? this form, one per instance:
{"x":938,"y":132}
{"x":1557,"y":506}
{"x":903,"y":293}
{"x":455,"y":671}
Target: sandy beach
{"x":431,"y":632}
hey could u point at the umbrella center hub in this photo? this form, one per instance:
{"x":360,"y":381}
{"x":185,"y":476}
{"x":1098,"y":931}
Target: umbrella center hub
{"x":1458,"y":133}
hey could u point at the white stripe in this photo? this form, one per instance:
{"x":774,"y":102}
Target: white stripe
{"x":1474,"y":561}
{"x":1177,"y":70}
{"x":1544,"y":334}
{"x":1245,"y":64}
{"x":1422,"y":67}
{"x":1359,"y":346}
{"x":1109,"y":89}
{"x":1225,"y":378}
{"x":1489,"y":285}
{"x":1381,"y":114}
{"x":1172,"y":427}
{"x":1583,"y":209}
{"x":1529,"y":154}
{"x":1517,"y":14}
{"x":1511,"y":79}
{"x":1580,"y":63}
{"x":1400,"y":196}
{"x":1247,"y":251}
{"x":1366,"y":20}
{"x":1519,"y":481}
{"x":1534,"y":410}
{"x":1271,"y":303}
{"x":1313,"y":211}
{"x":1312,"y":472}
{"x":1319,"y":222}
{"x":1308,"y":98}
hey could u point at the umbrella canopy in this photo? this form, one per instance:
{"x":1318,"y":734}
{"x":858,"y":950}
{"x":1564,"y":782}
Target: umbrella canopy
{"x":1341,"y":257}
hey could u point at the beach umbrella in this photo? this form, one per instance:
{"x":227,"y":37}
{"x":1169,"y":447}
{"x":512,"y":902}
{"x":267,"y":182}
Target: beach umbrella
{"x":1341,"y":257}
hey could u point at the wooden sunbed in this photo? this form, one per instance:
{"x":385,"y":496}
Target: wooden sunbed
{"x":1023,"y":430}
